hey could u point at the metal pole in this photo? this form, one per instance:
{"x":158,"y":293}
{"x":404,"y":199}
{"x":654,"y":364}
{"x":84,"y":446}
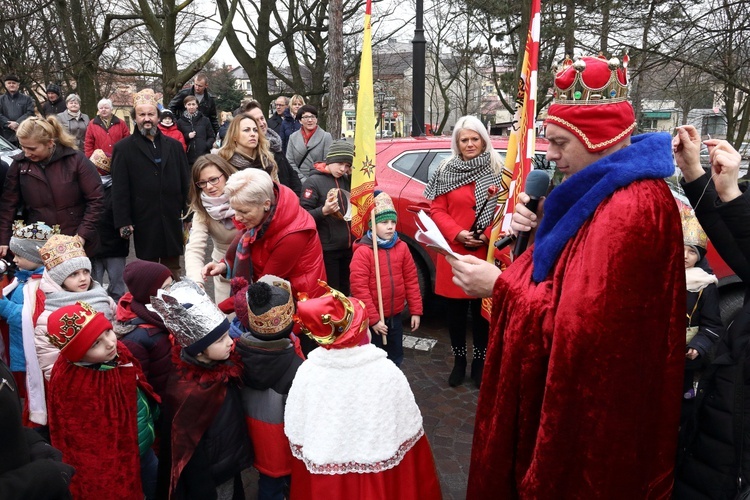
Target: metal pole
{"x":418,"y":74}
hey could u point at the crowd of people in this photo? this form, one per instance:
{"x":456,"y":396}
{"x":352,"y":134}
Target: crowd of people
{"x":194,"y":389}
{"x":292,"y":367}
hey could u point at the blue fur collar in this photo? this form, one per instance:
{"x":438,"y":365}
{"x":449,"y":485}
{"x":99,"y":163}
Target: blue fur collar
{"x":570,"y":204}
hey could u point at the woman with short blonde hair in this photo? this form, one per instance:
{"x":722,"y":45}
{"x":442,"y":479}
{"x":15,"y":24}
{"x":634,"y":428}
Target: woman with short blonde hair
{"x":277,"y":237}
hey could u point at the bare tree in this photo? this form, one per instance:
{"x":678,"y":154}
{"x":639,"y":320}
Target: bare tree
{"x":170,"y":25}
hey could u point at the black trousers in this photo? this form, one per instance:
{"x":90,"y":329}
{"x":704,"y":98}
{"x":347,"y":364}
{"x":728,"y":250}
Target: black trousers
{"x":457,"y":311}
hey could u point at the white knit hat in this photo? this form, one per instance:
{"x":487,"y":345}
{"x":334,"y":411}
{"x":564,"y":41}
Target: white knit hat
{"x":64,"y":255}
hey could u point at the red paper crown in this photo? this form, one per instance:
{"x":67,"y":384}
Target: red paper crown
{"x":333,"y":320}
{"x":73,"y":329}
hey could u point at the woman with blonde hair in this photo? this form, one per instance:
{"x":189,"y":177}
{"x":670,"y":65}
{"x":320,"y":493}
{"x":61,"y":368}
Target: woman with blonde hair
{"x":462,"y":208}
{"x":52,"y":182}
{"x":245,"y":146}
{"x":278,"y":237}
{"x":212,"y":219}
{"x":290,"y":124}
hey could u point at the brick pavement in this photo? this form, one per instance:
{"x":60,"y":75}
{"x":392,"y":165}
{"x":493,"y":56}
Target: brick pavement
{"x":448,"y":412}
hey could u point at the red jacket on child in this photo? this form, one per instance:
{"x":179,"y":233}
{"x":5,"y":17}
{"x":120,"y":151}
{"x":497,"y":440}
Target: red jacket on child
{"x":398,"y":279}
{"x":174,"y":133}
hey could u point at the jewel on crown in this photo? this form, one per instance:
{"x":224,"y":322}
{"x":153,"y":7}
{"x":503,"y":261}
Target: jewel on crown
{"x":591,"y":80}
{"x":36,"y":231}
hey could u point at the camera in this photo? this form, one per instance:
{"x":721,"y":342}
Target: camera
{"x":126,"y":232}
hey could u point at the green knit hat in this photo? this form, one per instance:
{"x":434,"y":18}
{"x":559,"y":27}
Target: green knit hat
{"x":341,"y":151}
{"x":384,"y":208}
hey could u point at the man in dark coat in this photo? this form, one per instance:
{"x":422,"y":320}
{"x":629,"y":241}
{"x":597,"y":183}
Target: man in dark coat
{"x":54,"y":104}
{"x":206,"y":102}
{"x":150,"y":181}
{"x":277,"y":118}
{"x":15,"y":107}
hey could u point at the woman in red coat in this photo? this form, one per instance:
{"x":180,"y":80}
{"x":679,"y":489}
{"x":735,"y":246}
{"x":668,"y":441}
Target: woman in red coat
{"x":277,"y":236}
{"x":104,"y":130}
{"x":463,"y":213}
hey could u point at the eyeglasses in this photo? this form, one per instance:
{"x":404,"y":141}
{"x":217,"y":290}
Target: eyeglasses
{"x":213,"y":181}
{"x":282,"y":105}
{"x":309,"y":117}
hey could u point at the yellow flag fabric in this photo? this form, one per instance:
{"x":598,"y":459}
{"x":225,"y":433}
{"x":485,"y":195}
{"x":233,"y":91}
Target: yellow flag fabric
{"x":363,"y":168}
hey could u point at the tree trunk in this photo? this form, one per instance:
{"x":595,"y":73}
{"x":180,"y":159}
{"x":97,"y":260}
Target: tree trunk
{"x":335,"y":67}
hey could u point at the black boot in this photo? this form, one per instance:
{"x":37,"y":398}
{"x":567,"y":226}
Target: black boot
{"x":459,"y":371}
{"x":477,"y":369}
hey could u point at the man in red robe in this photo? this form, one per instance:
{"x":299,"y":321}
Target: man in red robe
{"x":581,"y":389}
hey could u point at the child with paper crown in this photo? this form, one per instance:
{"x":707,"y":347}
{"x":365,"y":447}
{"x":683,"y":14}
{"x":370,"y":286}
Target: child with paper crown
{"x":270,"y":361}
{"x":209,"y":442}
{"x":351,"y":419}
{"x":101,"y":409}
{"x":66,"y":280}
{"x":20,"y":306}
{"x":398,"y":275}
{"x":704,"y":326}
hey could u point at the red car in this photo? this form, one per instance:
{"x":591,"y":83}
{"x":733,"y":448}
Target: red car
{"x":403,"y":167}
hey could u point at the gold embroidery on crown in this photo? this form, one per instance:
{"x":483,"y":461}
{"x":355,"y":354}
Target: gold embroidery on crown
{"x":585,"y":139}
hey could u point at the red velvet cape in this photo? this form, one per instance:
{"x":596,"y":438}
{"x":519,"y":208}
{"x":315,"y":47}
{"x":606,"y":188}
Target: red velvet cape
{"x":582,"y":382}
{"x":194,"y":395}
{"x":414,"y":478}
{"x":93,"y":421}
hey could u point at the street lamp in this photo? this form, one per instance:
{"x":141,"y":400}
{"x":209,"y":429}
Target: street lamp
{"x":381,"y":102}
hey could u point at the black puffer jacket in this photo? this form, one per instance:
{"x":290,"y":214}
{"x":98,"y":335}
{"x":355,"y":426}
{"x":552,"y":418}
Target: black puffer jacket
{"x":28,"y":467}
{"x":207,"y":105}
{"x":715,"y":454}
{"x":204,"y":135}
{"x":111,"y":244}
{"x":334,"y":233}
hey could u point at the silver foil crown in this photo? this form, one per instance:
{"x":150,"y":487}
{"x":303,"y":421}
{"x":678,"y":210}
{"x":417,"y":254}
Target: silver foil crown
{"x":187,"y":312}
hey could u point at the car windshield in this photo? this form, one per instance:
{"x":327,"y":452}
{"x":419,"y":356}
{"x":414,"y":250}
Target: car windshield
{"x":5,"y":146}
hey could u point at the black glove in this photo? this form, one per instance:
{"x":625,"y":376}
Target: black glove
{"x":66,"y":471}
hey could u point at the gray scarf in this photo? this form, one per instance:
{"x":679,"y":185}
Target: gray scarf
{"x":96,"y":296}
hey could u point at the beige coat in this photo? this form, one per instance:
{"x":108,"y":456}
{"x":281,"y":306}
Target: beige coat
{"x":205,"y":227}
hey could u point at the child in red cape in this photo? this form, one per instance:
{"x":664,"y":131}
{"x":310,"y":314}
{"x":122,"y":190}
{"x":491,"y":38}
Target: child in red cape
{"x":351,"y":419}
{"x":101,"y":410}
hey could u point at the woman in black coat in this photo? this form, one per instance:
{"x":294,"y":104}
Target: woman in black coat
{"x":197,"y":130}
{"x":714,"y":456}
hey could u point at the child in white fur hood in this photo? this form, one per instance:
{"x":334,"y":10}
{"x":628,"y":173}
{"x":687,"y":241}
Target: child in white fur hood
{"x":353,"y":425}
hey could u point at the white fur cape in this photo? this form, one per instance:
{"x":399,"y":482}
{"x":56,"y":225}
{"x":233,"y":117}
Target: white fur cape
{"x":351,"y":410}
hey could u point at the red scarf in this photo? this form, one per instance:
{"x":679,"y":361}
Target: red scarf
{"x":195,"y":394}
{"x":306,"y":135}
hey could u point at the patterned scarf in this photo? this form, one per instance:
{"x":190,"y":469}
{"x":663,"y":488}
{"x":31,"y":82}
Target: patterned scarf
{"x":247,"y":239}
{"x":456,"y":172}
{"x":190,"y":116}
{"x":218,"y":209}
{"x":241,"y":162}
